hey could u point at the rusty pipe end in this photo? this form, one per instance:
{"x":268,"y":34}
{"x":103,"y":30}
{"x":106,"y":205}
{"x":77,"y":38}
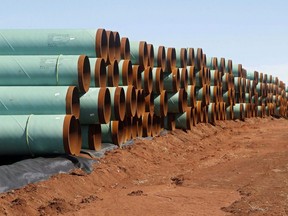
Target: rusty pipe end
{"x":143,"y":54}
{"x":100,"y":73}
{"x":104,"y":106}
{"x":161,"y":58}
{"x":140,"y":102}
{"x":131,"y":102}
{"x":146,"y":124}
{"x":117,"y":46}
{"x":170,"y":59}
{"x":148,"y":80}
{"x":183,"y":57}
{"x":191,"y":57}
{"x":113,"y":74}
{"x":150,"y":49}
{"x":72,"y":140}
{"x":118,"y":133}
{"x":183,"y":78}
{"x":101,"y":44}
{"x":149,"y":103}
{"x":94,"y":137}
{"x":119,"y":104}
{"x":199,"y":110}
{"x":125,"y":48}
{"x":134,"y":127}
{"x":127,"y":72}
{"x":159,"y":84}
{"x":84,"y":73}
{"x":182,"y":105}
{"x":111,"y":46}
{"x":72,"y":101}
{"x":163,"y":103}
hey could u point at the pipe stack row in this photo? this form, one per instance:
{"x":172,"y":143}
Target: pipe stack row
{"x":63,"y":90}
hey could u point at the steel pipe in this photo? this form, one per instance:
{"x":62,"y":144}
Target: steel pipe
{"x":157,"y":77}
{"x":140,"y":103}
{"x":111,"y":47}
{"x":54,"y":42}
{"x":149,"y":103}
{"x":172,"y":80}
{"x":199,"y":112}
{"x":169,"y":122}
{"x":214,"y":96}
{"x":150,"y":50}
{"x":118,"y":103}
{"x":125,"y":72}
{"x":45,"y":71}
{"x":200,"y":78}
{"x":215,"y":76}
{"x":160,"y":57}
{"x":26,"y":100}
{"x":98,"y":72}
{"x":112,"y":72}
{"x":170,"y":59}
{"x":137,"y":76}
{"x":139,"y":53}
{"x":183,"y":78}
{"x":113,"y":132}
{"x":39,"y":135}
{"x":125,"y":48}
{"x":117,"y":45}
{"x":181,"y":57}
{"x":146,"y":124}
{"x":147,"y":80}
{"x":95,"y":106}
{"x":190,"y":57}
{"x":130,"y":99}
{"x":237,"y":70}
{"x":91,"y":137}
{"x":184,"y":120}
{"x":191,"y":96}
{"x":191,"y":80}
{"x":177,"y":102}
{"x":161,"y":104}
{"x":230,"y":112}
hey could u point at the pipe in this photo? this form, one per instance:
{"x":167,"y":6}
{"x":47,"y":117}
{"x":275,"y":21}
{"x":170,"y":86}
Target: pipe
{"x":181,"y":57}
{"x":169,"y":122}
{"x":237,"y":70}
{"x":198,"y":58}
{"x":215,"y":76}
{"x":201,"y":95}
{"x":146,"y":124}
{"x":208,"y":76}
{"x":125,"y":48}
{"x":111,"y":47}
{"x":154,"y":125}
{"x":200,"y":78}
{"x":248,"y":98}
{"x":140,"y":98}
{"x":225,"y":81}
{"x":95,"y":106}
{"x":237,"y":85}
{"x":150,"y":49}
{"x":246,"y":110}
{"x":149,"y":103}
{"x":172,"y":80}
{"x":227,"y":97}
{"x":125,"y":72}
{"x":112,"y":72}
{"x":230,"y":113}
{"x":134,"y":127}
{"x":157,"y":77}
{"x":54,"y":42}
{"x":184,"y":120}
{"x":199,"y":112}
{"x":214,"y":96}
{"x":91,"y":137}
{"x":221,"y":64}
{"x":117,"y":46}
{"x":130,"y":98}
{"x":223,"y":111}
{"x":191,"y":96}
{"x":117,"y":96}
{"x":51,"y":70}
{"x":161,"y":104}
{"x":228,"y":66}
{"x":212,"y":63}
{"x":170,"y":59}
{"x":137,"y":79}
{"x":190,"y":57}
{"x":139,"y":53}
{"x":98,"y":72}
{"x":160,"y":60}
{"x":25,"y":100}
{"x":147,"y":80}
{"x":191,"y":75}
{"x":218,"y":111}
{"x":248,"y":86}
{"x":177,"y":102}
{"x":113,"y":132}
{"x":139,"y":127}
{"x":183,"y":78}
{"x":39,"y":135}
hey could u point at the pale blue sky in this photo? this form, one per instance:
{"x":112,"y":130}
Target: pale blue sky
{"x":254,"y":33}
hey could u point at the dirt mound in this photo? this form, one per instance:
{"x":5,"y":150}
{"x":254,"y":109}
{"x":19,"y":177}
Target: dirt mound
{"x":235,"y":167}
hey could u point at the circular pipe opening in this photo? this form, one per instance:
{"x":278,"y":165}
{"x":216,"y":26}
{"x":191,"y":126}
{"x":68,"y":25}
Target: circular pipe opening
{"x":183,"y":78}
{"x":199,"y":57}
{"x":148,"y":80}
{"x":182,"y":105}
{"x":149,"y":103}
{"x":143,"y":54}
{"x":191,"y":57}
{"x":137,"y":81}
{"x":222,"y":65}
{"x":71,"y":135}
{"x":100,"y":73}
{"x":191,"y":76}
{"x":150,"y":50}
{"x":183,"y":57}
{"x":175,"y":79}
{"x":199,"y":112}
{"x":84,"y":73}
{"x":204,"y":60}
{"x":117,"y":45}
{"x":72,"y":101}
{"x":104,"y":106}
{"x":119,"y":103}
{"x":163,"y":103}
{"x":125,"y":48}
{"x":101,"y":44}
{"x":127,"y":128}
{"x":140,"y":103}
{"x":146,"y":124}
{"x":171,"y":59}
{"x":161,"y":57}
{"x":139,"y":127}
{"x":215,"y":63}
{"x":111,"y":46}
{"x":118,"y":132}
{"x":94,"y":137}
{"x":230,"y":66}
{"x":127,"y":72}
{"x":131,"y":102}
{"x":159,"y":80}
{"x":113,"y":74}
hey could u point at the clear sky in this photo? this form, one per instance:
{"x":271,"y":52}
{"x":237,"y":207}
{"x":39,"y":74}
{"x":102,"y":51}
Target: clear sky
{"x":251,"y":32}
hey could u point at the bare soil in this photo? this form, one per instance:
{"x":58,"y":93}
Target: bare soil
{"x":233,"y":168}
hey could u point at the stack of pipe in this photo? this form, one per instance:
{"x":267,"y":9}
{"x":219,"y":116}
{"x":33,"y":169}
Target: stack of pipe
{"x":63,"y":90}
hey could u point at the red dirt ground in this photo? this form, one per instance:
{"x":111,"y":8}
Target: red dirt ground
{"x":233,"y":168}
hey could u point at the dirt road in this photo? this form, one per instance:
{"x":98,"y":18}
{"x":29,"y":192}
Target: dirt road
{"x":233,"y":168}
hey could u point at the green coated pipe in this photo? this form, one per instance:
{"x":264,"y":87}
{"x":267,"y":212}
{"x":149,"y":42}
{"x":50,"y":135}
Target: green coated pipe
{"x":150,"y":49}
{"x":130,"y":100}
{"x":157,"y":77}
{"x":191,"y":57}
{"x":183,"y":78}
{"x":161,"y":104}
{"x":147,"y":80}
{"x":191,"y":96}
{"x":112,"y":74}
{"x":201,"y":95}
{"x":200,"y":78}
{"x":92,"y":42}
{"x":212,"y":63}
{"x":45,"y":71}
{"x":261,"y":111}
{"x":113,"y":132}
{"x":191,"y":75}
{"x":184,"y":120}
{"x":225,"y":81}
{"x":259,"y":89}
{"x":91,"y":137}
{"x":111,"y":47}
{"x":230,"y":113}
{"x":177,"y":102}
{"x":139,"y":53}
{"x":98,"y":72}
{"x":170,"y":59}
{"x":125,"y":72}
{"x":237,"y":70}
{"x":248,"y":98}
{"x":227,"y":97}
{"x":172,"y":80}
{"x":160,"y":57}
{"x":239,"y":111}
{"x":198,"y":58}
{"x":237,"y":85}
{"x":181,"y":57}
{"x":39,"y":135}
{"x":117,"y":45}
{"x":95,"y":107}
{"x":214,"y":77}
{"x":117,"y":96}
{"x":26,"y":100}
{"x":169,"y":122}
{"x":212,"y":113}
{"x":228,"y":65}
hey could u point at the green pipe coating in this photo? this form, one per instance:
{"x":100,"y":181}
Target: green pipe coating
{"x":91,"y":137}
{"x":177,"y":102}
{"x":181,"y":120}
{"x":238,"y":111}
